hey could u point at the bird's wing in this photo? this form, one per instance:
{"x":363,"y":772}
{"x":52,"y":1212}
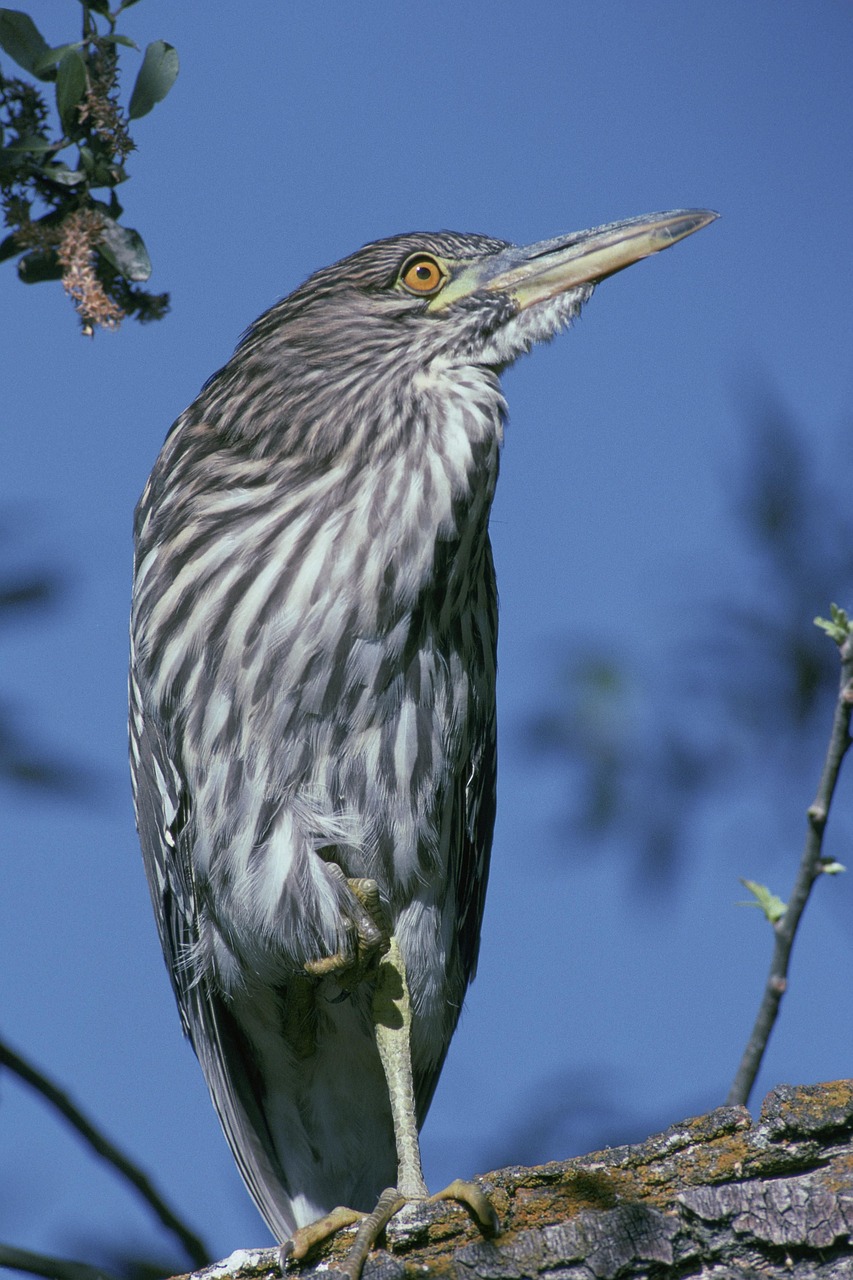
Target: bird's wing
{"x":163,"y":817}
{"x":474,"y":820}
{"x":473,"y":801}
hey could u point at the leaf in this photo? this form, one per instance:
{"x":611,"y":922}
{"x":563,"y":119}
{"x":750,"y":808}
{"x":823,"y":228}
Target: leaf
{"x":117,"y":39}
{"x":10,"y":159}
{"x":9,"y":248}
{"x":70,"y":85}
{"x":32,"y":142}
{"x":125,"y":250}
{"x":774,"y":908}
{"x":22,"y":40}
{"x":828,"y":866}
{"x":41,"y":264}
{"x":838,"y":627}
{"x":51,"y":56}
{"x":61,"y":174}
{"x":156,"y":76}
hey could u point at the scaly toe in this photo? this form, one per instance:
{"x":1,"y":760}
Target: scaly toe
{"x":478,"y":1204}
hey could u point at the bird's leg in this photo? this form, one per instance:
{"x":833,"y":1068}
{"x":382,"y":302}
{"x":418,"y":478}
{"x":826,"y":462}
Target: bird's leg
{"x":392,"y":1018}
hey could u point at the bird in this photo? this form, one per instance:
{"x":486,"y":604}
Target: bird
{"x":312,"y":696}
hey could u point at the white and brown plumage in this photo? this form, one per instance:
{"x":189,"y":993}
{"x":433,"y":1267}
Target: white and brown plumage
{"x":313,"y":684}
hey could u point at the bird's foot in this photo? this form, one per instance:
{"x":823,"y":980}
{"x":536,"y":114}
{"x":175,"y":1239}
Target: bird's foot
{"x":373,"y":1224}
{"x":369,"y":936}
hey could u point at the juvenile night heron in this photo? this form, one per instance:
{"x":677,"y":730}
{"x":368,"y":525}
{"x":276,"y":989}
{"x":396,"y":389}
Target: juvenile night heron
{"x":313,"y":696}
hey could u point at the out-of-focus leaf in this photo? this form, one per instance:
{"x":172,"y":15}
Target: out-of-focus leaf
{"x":156,"y":76}
{"x":32,"y":142}
{"x":772,"y":906}
{"x":125,"y":250}
{"x":39,"y":265}
{"x":25,"y":593}
{"x":70,"y":85}
{"x":51,"y":57}
{"x":838,"y":626}
{"x":99,"y":6}
{"x":117,"y":39}
{"x":22,"y":40}
{"x":10,"y":160}
{"x":63,"y":175}
{"x":9,"y":248}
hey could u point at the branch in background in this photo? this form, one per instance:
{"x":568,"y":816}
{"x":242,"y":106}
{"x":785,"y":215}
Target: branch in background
{"x":59,"y":231}
{"x":812,"y":865}
{"x":41,"y":1264}
{"x":194,"y":1246}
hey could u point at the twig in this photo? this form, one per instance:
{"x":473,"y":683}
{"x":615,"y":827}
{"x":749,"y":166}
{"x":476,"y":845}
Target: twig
{"x":40,"y":1264}
{"x":101,"y":1145}
{"x":810,"y":868}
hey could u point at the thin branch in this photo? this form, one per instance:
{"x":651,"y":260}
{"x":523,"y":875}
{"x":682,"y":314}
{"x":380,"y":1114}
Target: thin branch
{"x":101,"y":1145}
{"x":810,"y":868}
{"x":41,"y":1264}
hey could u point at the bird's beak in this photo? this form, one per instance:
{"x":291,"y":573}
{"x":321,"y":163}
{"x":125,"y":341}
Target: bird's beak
{"x":551,"y":267}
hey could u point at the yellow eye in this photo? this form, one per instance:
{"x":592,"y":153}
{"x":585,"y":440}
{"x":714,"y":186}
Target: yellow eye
{"x":422,"y":274}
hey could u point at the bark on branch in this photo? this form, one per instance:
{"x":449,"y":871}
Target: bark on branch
{"x":717,"y":1197}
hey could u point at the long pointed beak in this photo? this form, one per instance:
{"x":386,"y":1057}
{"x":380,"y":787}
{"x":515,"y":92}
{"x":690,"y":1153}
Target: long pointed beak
{"x":551,"y":267}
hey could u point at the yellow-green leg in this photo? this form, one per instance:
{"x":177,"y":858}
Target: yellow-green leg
{"x":392,"y":1016}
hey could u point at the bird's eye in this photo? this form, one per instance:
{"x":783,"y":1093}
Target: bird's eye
{"x":422,"y":274}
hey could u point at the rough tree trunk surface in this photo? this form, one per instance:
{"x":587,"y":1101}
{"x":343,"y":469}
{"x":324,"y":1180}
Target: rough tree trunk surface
{"x":716,"y":1197}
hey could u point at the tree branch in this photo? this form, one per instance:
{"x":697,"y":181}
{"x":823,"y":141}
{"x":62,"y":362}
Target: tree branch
{"x":785,"y":928}
{"x":193,"y":1244}
{"x":41,"y":1264}
{"x":718,"y":1195}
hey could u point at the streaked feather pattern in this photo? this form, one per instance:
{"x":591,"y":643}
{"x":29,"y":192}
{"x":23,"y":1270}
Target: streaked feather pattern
{"x":313,"y":682}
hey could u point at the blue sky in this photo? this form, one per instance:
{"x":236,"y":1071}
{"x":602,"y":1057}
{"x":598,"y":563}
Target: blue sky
{"x":293,"y":135}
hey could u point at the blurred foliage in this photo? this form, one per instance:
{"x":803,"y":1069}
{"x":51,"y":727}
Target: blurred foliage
{"x":641,"y":751}
{"x":29,"y":592}
{"x":59,"y":230}
{"x":742,"y":696}
{"x":24,"y":764}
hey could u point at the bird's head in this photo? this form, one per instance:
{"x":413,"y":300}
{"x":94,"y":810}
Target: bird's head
{"x":358,"y":336}
{"x":470,"y":298}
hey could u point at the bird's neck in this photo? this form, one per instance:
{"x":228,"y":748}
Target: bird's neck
{"x":426,"y":498}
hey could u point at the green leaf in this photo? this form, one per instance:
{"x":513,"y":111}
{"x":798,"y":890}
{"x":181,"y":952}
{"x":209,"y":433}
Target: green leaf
{"x":9,"y":248}
{"x":117,"y":39}
{"x":125,"y":250}
{"x":22,"y":40}
{"x":32,"y":142}
{"x":828,"y":866}
{"x":838,"y":627}
{"x":70,"y":86}
{"x":774,"y":908}
{"x":156,"y":76}
{"x":52,"y":56}
{"x":9,"y":161}
{"x":41,"y":264}
{"x":60,"y":173}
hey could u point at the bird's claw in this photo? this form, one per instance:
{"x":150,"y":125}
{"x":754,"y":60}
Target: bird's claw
{"x":475,"y":1201}
{"x":306,"y":1238}
{"x":370,"y":935}
{"x":373,"y":1224}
